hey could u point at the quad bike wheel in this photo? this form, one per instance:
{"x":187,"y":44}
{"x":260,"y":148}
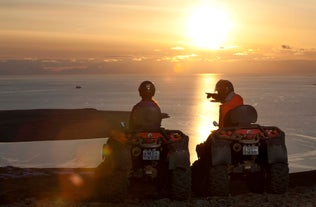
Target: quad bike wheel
{"x":218,"y":181}
{"x":199,"y":178}
{"x":278,"y":178}
{"x":112,"y":173}
{"x":180,"y":183}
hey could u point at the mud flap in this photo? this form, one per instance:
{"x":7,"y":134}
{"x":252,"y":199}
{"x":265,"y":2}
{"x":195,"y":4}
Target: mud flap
{"x":116,"y":157}
{"x":277,"y":154}
{"x":179,"y":155}
{"x":276,"y":148}
{"x":179,"y":159}
{"x":221,"y":152}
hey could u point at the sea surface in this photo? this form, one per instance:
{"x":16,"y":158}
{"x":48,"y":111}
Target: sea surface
{"x":285,"y":101}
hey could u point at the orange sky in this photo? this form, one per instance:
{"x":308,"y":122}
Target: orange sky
{"x":173,"y":31}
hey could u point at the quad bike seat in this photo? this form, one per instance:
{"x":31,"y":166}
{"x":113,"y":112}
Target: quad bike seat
{"x":243,"y":115}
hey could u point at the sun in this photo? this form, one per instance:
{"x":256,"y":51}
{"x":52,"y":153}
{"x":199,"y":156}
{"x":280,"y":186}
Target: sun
{"x":208,"y":26}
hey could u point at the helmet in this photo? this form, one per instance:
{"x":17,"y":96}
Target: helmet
{"x":146,"y":89}
{"x":223,"y":88}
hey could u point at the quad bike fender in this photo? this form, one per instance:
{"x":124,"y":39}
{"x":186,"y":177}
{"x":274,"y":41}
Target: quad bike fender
{"x":179,"y":156}
{"x":276,"y":148}
{"x":116,"y":159}
{"x":118,"y":154}
{"x":277,"y":154}
{"x":220,"y":152}
{"x":179,"y":159}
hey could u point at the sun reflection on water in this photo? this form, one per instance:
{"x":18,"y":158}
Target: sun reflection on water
{"x":205,"y":112}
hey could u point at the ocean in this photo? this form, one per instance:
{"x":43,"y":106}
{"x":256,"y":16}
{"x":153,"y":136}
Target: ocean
{"x":285,"y":101}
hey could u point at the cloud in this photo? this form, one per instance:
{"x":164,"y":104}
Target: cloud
{"x":111,"y":60}
{"x":286,"y":47}
{"x":177,"y":58}
{"x":177,"y":48}
{"x":238,"y":60}
{"x":138,"y":59}
{"x":64,"y":68}
{"x":241,"y":54}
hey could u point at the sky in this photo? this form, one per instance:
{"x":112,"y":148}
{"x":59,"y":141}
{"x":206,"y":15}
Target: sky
{"x":180,"y":36}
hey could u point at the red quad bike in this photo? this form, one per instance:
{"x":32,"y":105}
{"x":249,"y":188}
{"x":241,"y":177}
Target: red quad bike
{"x":241,"y":149}
{"x":159,"y":160}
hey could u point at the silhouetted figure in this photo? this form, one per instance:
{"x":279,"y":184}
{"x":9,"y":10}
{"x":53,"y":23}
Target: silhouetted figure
{"x":146,"y":114}
{"x":225,"y":95}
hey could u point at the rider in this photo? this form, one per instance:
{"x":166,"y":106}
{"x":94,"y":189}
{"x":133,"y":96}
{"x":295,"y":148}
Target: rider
{"x":146,"y":114}
{"x":225,"y":95}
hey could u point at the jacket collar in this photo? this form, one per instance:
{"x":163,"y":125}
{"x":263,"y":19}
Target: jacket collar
{"x":229,"y":96}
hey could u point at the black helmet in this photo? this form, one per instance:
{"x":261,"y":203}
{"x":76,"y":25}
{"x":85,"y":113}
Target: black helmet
{"x":146,"y":89}
{"x":223,"y":88}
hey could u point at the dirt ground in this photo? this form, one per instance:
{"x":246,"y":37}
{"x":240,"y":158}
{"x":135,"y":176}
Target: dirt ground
{"x":76,"y":187}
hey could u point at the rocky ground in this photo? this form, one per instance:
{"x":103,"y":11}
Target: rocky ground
{"x":76,"y":187}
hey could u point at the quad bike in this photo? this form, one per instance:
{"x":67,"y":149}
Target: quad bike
{"x":157,"y":158}
{"x":241,"y":149}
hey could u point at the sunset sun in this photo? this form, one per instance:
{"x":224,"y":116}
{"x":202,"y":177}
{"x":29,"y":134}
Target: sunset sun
{"x":208,"y":27}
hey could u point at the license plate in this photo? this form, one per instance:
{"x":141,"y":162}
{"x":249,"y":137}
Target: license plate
{"x":151,"y":154}
{"x":250,"y":150}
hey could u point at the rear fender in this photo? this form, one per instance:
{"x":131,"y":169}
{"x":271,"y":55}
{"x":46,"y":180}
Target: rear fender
{"x":221,"y":152}
{"x":276,"y":148}
{"x":179,"y":159}
{"x":277,"y":153}
{"x":178,"y":152}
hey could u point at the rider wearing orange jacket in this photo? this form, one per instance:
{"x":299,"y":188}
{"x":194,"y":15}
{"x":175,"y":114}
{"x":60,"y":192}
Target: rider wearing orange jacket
{"x":228,"y":98}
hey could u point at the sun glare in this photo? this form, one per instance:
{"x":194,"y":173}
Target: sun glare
{"x":208,"y":27}
{"x":205,"y":113}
